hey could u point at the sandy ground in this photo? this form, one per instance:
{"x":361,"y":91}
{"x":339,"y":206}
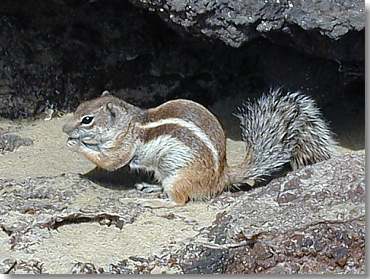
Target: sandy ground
{"x":91,"y":242}
{"x":102,"y":245}
{"x":48,"y":156}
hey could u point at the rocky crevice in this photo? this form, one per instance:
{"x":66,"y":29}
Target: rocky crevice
{"x":57,"y":53}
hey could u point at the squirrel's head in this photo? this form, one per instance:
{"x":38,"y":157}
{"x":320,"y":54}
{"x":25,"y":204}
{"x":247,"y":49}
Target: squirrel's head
{"x":103,"y":126}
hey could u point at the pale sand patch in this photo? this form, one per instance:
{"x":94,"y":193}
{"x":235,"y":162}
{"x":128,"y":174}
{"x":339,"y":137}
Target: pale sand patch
{"x":48,"y":156}
{"x":102,"y":245}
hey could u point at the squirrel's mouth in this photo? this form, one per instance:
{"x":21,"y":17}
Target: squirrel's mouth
{"x":91,"y":143}
{"x":75,"y":143}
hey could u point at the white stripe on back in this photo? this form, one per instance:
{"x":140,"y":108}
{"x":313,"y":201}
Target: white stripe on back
{"x":190,"y":126}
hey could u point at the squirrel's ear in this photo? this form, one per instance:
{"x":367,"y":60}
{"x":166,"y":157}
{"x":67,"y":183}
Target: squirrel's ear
{"x":112,"y":112}
{"x":109,"y":107}
{"x":105,"y":93}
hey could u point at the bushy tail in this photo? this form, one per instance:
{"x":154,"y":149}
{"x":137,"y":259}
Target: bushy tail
{"x":280,"y":130}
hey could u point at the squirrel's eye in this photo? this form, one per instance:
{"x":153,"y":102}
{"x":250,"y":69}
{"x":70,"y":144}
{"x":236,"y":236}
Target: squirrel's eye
{"x":87,"y":120}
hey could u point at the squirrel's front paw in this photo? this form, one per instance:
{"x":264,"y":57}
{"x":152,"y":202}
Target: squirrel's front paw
{"x":148,"y":188}
{"x":73,"y":144}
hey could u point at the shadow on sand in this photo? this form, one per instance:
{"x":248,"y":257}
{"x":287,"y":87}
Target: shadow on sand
{"x":121,"y":179}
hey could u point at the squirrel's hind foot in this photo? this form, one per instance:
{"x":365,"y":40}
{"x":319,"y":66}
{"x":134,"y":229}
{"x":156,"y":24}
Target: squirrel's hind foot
{"x":148,"y":188}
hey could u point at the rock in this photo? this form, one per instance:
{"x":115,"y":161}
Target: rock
{"x":59,"y":53}
{"x":85,"y":268}
{"x":323,"y":224}
{"x":27,"y":267}
{"x":7,"y":265}
{"x":71,"y":224}
{"x":30,"y":208}
{"x":10,"y":142}
{"x":324,"y":29}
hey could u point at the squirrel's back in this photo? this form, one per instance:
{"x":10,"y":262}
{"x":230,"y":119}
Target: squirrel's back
{"x":196,"y":118}
{"x":195,"y":146}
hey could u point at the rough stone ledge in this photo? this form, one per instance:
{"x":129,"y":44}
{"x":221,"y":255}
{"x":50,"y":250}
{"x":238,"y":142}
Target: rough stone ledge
{"x":321,"y":28}
{"x":310,"y":221}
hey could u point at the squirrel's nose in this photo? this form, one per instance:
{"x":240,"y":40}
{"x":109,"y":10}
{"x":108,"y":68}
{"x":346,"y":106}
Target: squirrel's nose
{"x":68,"y":128}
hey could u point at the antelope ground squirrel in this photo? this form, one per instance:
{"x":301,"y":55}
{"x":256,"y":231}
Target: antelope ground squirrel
{"x":184,"y":144}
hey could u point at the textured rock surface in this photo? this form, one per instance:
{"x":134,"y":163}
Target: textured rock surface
{"x":9,"y":142}
{"x":312,"y":220}
{"x":326,"y":28}
{"x":56,"y":53}
{"x":58,"y":222}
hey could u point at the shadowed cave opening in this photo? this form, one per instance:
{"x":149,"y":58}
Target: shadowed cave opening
{"x":59,"y":53}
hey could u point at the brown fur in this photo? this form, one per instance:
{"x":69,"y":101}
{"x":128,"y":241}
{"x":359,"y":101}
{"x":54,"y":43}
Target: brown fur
{"x":197,"y":182}
{"x":201,"y":179}
{"x":196,"y":113}
{"x":185,"y":145}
